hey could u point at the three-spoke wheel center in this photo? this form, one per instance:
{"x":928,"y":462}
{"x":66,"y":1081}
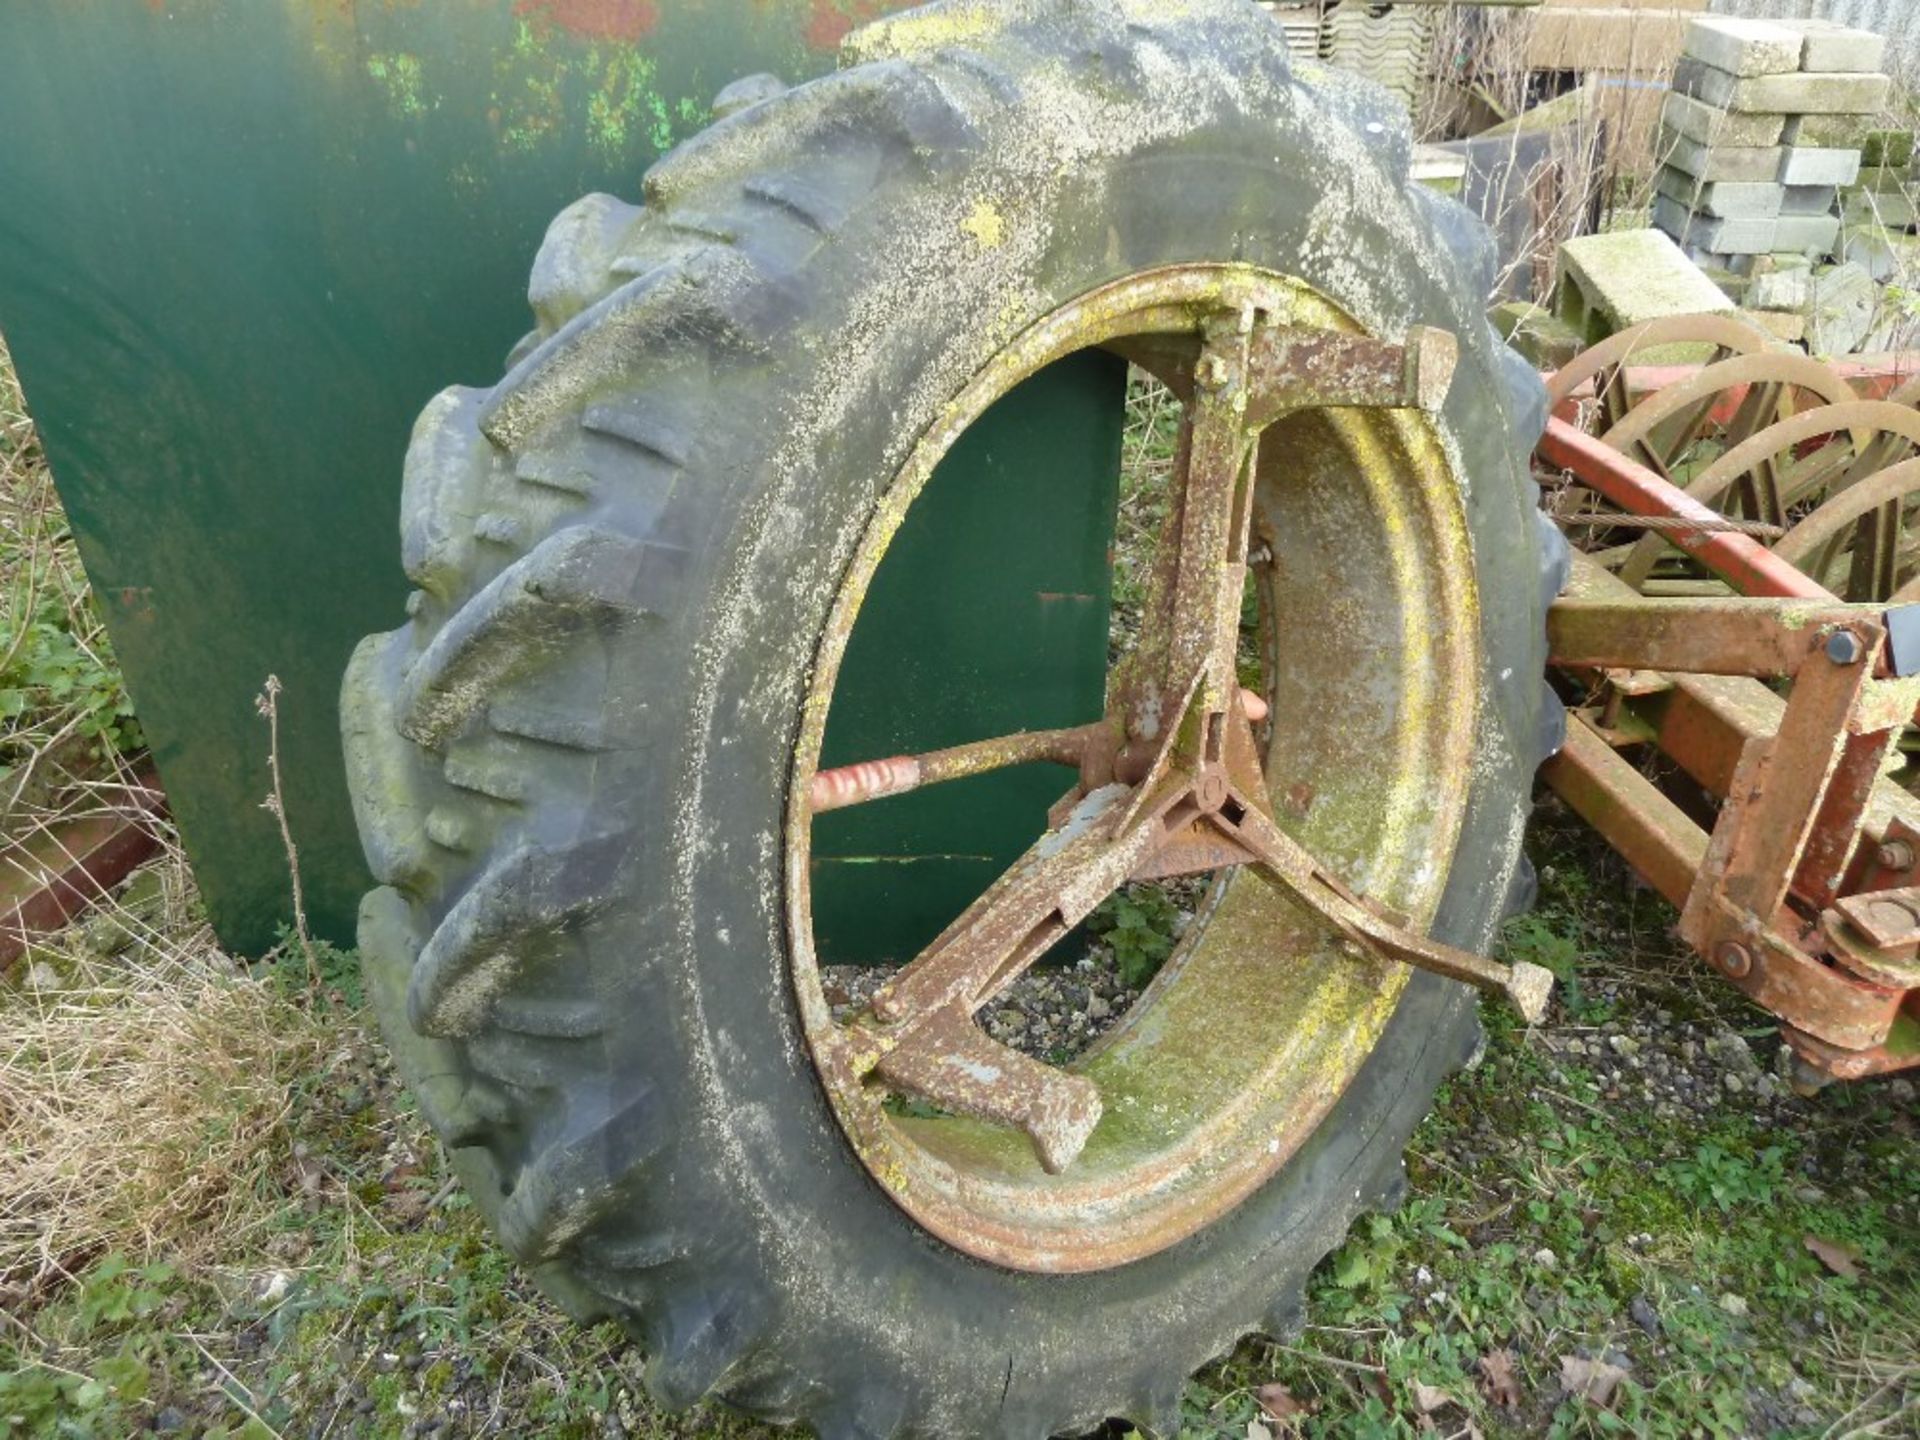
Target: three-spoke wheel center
{"x":1170,"y":781}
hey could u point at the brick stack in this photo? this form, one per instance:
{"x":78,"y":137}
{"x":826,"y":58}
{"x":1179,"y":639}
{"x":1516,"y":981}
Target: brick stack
{"x":1761,"y":132}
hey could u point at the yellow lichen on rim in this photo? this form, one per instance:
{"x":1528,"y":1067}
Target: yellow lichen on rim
{"x":1260,"y":1019}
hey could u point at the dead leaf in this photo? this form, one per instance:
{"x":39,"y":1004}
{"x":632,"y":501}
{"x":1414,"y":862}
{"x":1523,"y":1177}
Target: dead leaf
{"x":1498,"y":1380}
{"x":1280,"y":1405}
{"x":410,"y":1205}
{"x":1258,"y":1431}
{"x":1594,"y":1380}
{"x":1837,"y":1258}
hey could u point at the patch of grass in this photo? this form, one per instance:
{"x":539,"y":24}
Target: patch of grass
{"x":350,"y":1288}
{"x":311,"y":1268}
{"x":1550,"y":1226}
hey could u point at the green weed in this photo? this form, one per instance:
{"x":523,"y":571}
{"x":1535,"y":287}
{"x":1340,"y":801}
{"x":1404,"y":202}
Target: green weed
{"x":1138,"y":922}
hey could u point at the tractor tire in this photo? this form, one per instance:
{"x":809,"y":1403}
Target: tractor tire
{"x":570,"y":765}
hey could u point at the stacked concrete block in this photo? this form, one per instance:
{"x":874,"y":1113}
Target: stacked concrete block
{"x":1763,"y":133}
{"x":1613,"y":281}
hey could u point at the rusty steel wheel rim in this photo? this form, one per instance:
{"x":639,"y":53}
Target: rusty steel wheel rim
{"x":1265,"y":1011}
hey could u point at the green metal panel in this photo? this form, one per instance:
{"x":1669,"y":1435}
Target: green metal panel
{"x":242,"y":242}
{"x":988,"y":616}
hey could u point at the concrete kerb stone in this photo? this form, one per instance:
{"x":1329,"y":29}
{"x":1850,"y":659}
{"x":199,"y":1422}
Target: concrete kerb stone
{"x":1780,"y":290}
{"x":1705,"y":234}
{"x":1721,"y":199}
{"x":1886,"y":255}
{"x":1866,"y":133}
{"x":1892,"y":148}
{"x":1830,"y":46}
{"x":1892,"y":208}
{"x":1537,"y":333}
{"x":1744,"y":47}
{"x":1799,"y":94}
{"x":1842,"y":310}
{"x":1712,"y":125}
{"x":1809,"y":234}
{"x":1884,"y":179}
{"x":1808,"y":200}
{"x":1807,"y":165}
{"x":1720,"y":162}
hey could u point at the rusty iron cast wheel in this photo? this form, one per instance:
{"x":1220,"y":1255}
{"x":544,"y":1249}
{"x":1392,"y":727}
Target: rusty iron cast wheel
{"x":585,"y":769}
{"x":1256,"y":1024}
{"x":1793,"y":456}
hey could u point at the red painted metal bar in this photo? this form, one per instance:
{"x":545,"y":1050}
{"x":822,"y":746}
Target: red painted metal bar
{"x":1740,"y":560}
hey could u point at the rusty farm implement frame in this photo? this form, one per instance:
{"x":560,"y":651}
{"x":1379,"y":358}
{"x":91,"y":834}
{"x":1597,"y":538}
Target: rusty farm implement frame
{"x":1745,"y":623}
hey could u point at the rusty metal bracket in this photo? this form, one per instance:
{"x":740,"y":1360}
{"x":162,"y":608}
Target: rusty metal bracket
{"x":1522,"y":984}
{"x":1293,"y":369}
{"x":951,"y":1063}
{"x":1770,"y":898}
{"x":1735,"y":635}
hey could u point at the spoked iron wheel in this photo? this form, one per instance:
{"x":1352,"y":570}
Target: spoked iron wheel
{"x":1261,"y":1017}
{"x":1779,"y":441}
{"x":588,"y":772}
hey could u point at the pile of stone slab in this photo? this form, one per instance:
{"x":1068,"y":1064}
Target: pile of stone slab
{"x":1764,"y":128}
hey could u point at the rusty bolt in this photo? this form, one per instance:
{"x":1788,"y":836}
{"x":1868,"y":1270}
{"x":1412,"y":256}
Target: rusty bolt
{"x":1896,"y":855}
{"x":1843,"y":647}
{"x":1210,"y":790}
{"x":1734,"y":958}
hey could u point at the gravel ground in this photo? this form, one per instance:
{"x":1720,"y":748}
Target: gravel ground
{"x":1056,"y":1010}
{"x":1049,"y":1014}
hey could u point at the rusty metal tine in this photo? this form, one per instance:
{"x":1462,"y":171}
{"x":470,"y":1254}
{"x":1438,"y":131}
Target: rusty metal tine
{"x":1523,"y":985}
{"x":953,"y":1064}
